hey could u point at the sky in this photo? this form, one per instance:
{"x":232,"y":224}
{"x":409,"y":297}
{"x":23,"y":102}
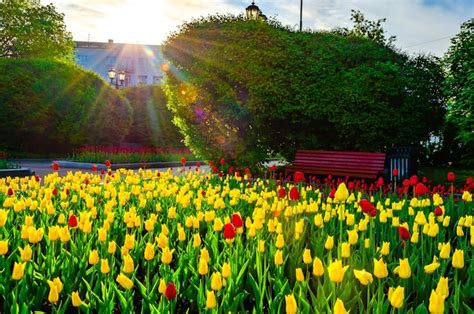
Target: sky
{"x":421,"y":26}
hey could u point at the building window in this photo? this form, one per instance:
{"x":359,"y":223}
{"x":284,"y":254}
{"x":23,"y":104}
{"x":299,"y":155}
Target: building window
{"x":128,"y":65}
{"x":110,"y":60}
{"x":82,"y":59}
{"x":157,"y":79}
{"x":142,"y":79}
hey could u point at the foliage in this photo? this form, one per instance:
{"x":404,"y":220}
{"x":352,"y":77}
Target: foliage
{"x":115,"y":243}
{"x":243,"y":90}
{"x":366,"y":28}
{"x":152,"y":120}
{"x":51,"y":106}
{"x":130,"y":155}
{"x":459,"y":87}
{"x":31,"y":30}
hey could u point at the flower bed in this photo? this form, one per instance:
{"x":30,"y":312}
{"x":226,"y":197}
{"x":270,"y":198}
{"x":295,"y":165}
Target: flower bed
{"x":116,"y":155}
{"x":153,"y":242}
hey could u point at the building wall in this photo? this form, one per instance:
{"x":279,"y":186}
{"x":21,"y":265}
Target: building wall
{"x":141,"y":63}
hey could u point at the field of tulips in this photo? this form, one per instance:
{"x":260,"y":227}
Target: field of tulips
{"x":154,"y":242}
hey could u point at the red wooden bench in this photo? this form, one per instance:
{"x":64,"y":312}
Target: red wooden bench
{"x":338,"y":163}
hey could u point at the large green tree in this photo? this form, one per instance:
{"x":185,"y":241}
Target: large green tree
{"x":54,"y":106}
{"x":31,"y":30}
{"x":243,"y":89}
{"x":459,"y":87}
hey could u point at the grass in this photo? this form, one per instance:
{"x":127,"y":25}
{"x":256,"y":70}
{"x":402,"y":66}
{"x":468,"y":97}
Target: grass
{"x":439,"y":174}
{"x":5,"y":164}
{"x":117,"y":158}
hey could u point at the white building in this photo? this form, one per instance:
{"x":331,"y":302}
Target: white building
{"x":141,"y":63}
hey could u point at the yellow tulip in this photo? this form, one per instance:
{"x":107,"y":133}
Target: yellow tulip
{"x":443,"y":288}
{"x":280,"y":242}
{"x":329,"y":243}
{"x":167,"y":256}
{"x":18,"y":271}
{"x":203,"y":267}
{"x":278,"y":257}
{"x":93,"y":257}
{"x":124,"y":281}
{"x":403,"y":270}
{"x":218,"y":225}
{"x":53,"y":295}
{"x":53,"y":233}
{"x":181,"y":234}
{"x":415,"y":237}
{"x":149,"y":253}
{"x":104,"y":266}
{"x":261,"y":246}
{"x":367,"y":243}
{"x":339,"y":307}
{"x":61,"y":219}
{"x":129,"y":265}
{"x":363,"y":276}
{"x":216,"y":281}
{"x":346,"y":250}
{"x":342,"y":193}
{"x":64,"y":235}
{"x":380,"y":268}
{"x":353,"y":236}
{"x":291,"y":306}
{"x":162,"y":286}
{"x":112,"y":247}
{"x":318,"y":269}
{"x":299,"y":274}
{"x":102,"y":234}
{"x":226,"y":271}
{"x":3,"y":217}
{"x":430,"y":268}
{"x":76,"y":299}
{"x":436,"y":303}
{"x":396,"y":296}
{"x":210,"y":300}
{"x":307,"y":259}
{"x":445,"y":250}
{"x":385,"y":248}
{"x":336,"y":271}
{"x":205,"y":254}
{"x":197,"y":240}
{"x":458,"y":259}
{"x":129,"y":241}
{"x":25,"y":253}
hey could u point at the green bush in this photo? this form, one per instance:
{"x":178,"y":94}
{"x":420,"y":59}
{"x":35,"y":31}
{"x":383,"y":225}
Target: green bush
{"x":244,"y":89}
{"x":51,"y":106}
{"x":152,"y":120}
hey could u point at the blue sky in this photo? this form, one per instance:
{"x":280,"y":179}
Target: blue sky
{"x":420,"y":25}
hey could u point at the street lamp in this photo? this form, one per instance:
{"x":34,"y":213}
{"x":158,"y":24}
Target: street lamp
{"x":112,"y":74}
{"x":253,"y":12}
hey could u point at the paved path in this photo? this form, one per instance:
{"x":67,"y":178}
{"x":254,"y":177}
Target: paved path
{"x":43,"y":167}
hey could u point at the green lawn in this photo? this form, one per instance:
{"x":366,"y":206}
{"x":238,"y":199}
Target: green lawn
{"x":439,"y":174}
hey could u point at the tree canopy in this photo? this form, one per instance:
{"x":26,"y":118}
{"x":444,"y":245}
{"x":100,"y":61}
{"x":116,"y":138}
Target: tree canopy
{"x":31,"y":30}
{"x":52,"y":106}
{"x":459,"y":85}
{"x":246,"y":89}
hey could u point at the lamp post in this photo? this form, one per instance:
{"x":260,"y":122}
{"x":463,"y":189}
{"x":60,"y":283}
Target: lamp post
{"x":114,"y":80}
{"x":301,"y":15}
{"x":253,"y":12}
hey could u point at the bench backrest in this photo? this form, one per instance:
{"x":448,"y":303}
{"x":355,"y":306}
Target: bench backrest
{"x":340,"y":163}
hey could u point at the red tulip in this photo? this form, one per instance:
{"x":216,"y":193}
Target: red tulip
{"x":469,"y":181}
{"x":37,"y":178}
{"x":451,"y":177}
{"x":55,"y":166}
{"x":198,"y":164}
{"x":421,"y":189}
{"x":94,"y":167}
{"x":413,"y":180}
{"x":229,"y":231}
{"x":404,"y":233}
{"x":183,"y":160}
{"x":72,"y":222}
{"x":10,"y":192}
{"x":406,"y":182}
{"x":282,"y":192}
{"x":294,"y":194}
{"x":222,"y":161}
{"x":332,"y":193}
{"x":299,"y":176}
{"x":438,"y":211}
{"x":272,"y":168}
{"x":395,"y":172}
{"x":380,"y":182}
{"x":230,"y":170}
{"x":366,"y":206}
{"x":55,"y":192}
{"x":350,"y":185}
{"x":107,"y":163}
{"x":237,"y":220}
{"x":170,"y":292}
